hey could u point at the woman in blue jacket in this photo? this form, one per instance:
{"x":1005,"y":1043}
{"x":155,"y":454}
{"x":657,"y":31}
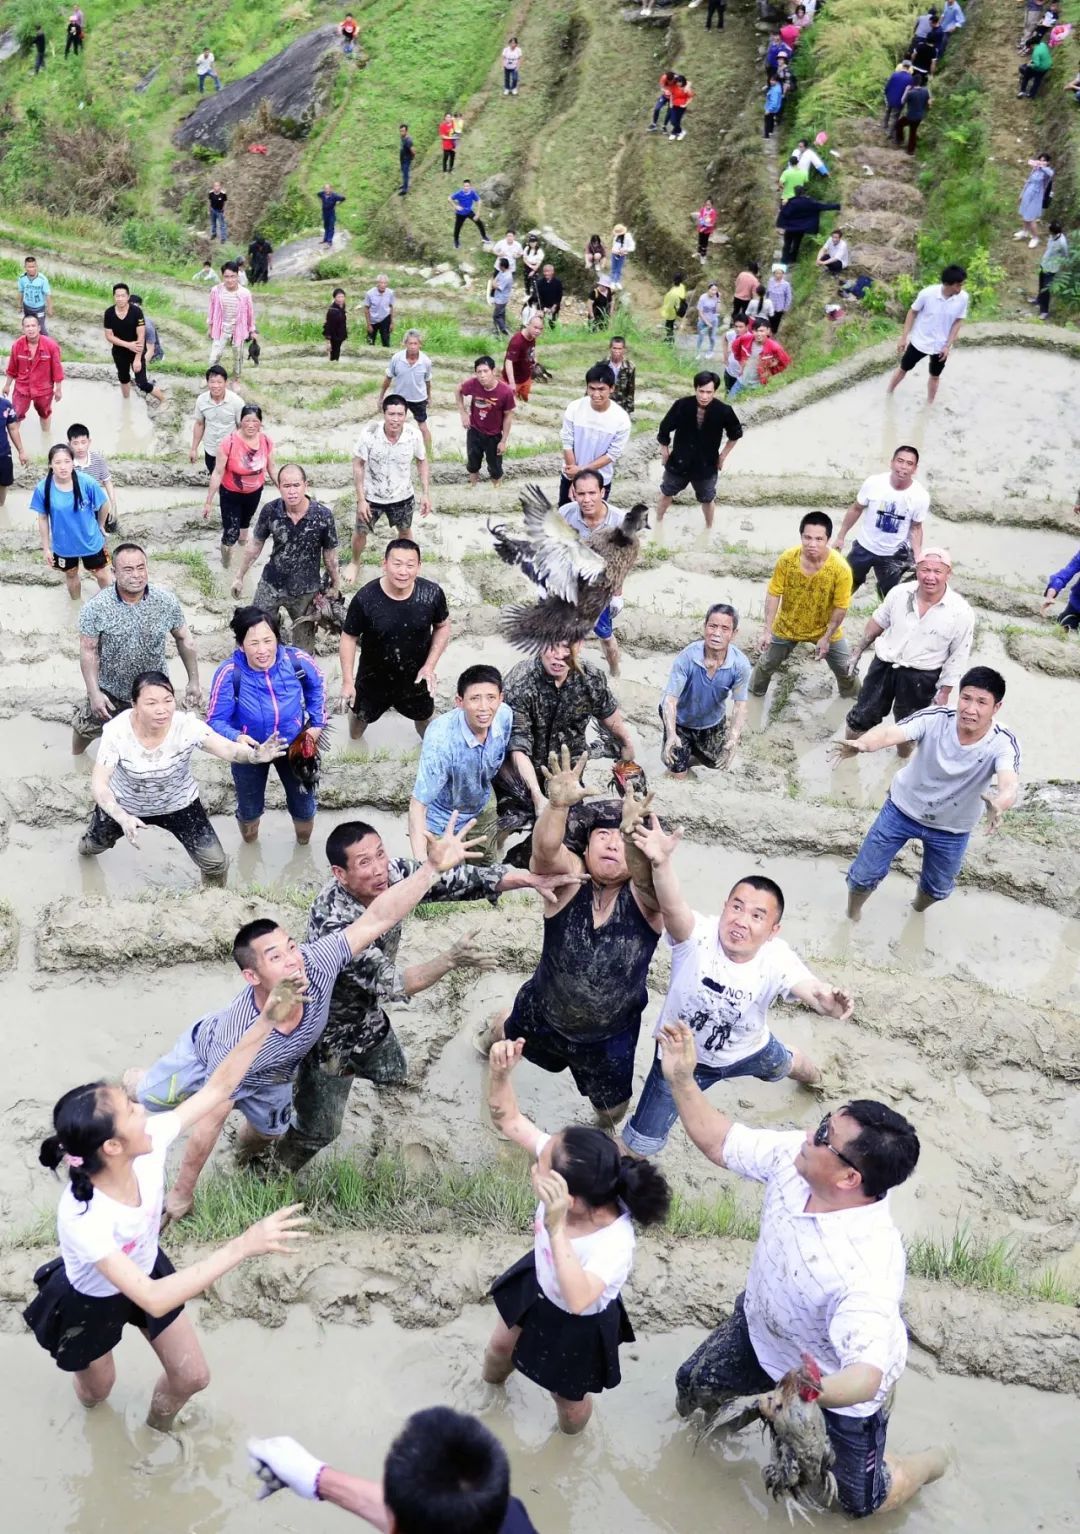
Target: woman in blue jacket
{"x":265,"y":687}
{"x":1070,"y":618}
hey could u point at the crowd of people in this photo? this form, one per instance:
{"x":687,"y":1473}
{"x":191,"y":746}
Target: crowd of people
{"x":499,"y":804}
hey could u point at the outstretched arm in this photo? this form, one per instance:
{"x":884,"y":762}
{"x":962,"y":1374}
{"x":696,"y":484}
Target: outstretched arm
{"x":502,"y":1101}
{"x":394,"y":904}
{"x":222,"y":1085}
{"x":706,"y":1126}
{"x":657,"y":846}
{"x":564,"y":789}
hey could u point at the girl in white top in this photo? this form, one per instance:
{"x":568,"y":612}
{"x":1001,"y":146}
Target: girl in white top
{"x":143,"y":777}
{"x":561,"y":1315}
{"x":111,"y":1272}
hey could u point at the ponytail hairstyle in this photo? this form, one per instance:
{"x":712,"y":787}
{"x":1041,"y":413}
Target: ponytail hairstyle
{"x":595,"y":1172}
{"x":76,"y":488}
{"x":82,"y":1121}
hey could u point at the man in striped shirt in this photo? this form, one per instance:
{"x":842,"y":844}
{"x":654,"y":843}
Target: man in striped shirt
{"x":265,"y":953}
{"x":826,"y":1278}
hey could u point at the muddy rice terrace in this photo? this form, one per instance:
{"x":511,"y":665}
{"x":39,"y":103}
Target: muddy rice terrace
{"x":967,"y":1017}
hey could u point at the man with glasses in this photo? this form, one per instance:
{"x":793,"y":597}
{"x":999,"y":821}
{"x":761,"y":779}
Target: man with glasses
{"x":826,"y":1278}
{"x":725,"y":975}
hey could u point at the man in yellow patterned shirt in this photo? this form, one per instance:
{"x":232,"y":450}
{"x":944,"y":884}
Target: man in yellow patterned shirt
{"x":808,"y":595}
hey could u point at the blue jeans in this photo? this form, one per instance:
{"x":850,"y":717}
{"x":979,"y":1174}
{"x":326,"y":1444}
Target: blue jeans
{"x":648,"y":1130}
{"x":217,"y":224}
{"x":406,"y":171}
{"x":203,"y":79}
{"x":705,"y":329}
{"x":510,"y":79}
{"x":943,"y":853}
{"x":250,"y":780}
{"x":617,"y":264}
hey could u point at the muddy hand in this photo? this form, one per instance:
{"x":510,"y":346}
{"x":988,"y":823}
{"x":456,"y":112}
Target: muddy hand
{"x":553,"y":1193}
{"x":655,"y":842}
{"x":562,"y":778}
{"x":271,"y":748}
{"x":994,"y":812}
{"x":633,"y":810}
{"x":842,"y":751}
{"x":504,"y":1054}
{"x":471,"y":952}
{"x":678,"y":1052}
{"x":277,"y":1233}
{"x":453,"y":846}
{"x":283,"y":1001}
{"x":551,"y":886}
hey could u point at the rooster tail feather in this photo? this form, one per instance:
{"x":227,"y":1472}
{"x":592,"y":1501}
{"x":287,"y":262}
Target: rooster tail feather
{"x":553,"y":621}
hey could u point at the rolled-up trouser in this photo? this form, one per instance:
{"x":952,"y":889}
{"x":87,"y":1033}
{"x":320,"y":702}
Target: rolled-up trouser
{"x":86,"y":723}
{"x":301,"y":611}
{"x":901,"y":690}
{"x":320,"y":1098}
{"x":943,"y":852}
{"x":191,"y":827}
{"x":224,"y":344}
{"x":837,"y":658}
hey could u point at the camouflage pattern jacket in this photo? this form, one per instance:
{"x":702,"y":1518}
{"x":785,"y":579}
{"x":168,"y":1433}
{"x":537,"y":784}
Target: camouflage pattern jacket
{"x":357,"y":1021}
{"x":546,"y":716}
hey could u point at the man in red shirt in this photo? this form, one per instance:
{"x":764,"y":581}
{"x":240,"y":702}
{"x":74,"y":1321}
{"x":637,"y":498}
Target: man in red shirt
{"x":36,"y":372}
{"x":521,"y":357}
{"x":488,"y":420}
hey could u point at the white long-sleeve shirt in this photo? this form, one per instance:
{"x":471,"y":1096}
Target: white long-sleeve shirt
{"x":590,"y":434}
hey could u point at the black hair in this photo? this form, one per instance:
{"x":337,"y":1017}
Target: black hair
{"x":136,"y":298}
{"x":216,"y":370}
{"x":473,"y":676}
{"x":446,"y":1473}
{"x":336,"y":291}
{"x":817,"y":519}
{"x":394,"y":399}
{"x":150,"y":679}
{"x":588,"y":474}
{"x":249,"y":933}
{"x":906,"y":447}
{"x":404,"y":125}
{"x":706,"y":376}
{"x":986,"y":679}
{"x":763,"y":886}
{"x":677,"y":278}
{"x":403,"y":543}
{"x":77,"y":429}
{"x":1055,"y":228}
{"x":81,"y":1124}
{"x":484,"y":362}
{"x":127,"y":548}
{"x":251,"y":410}
{"x":246,"y":618}
{"x":953,"y":274}
{"x":886,"y":1149}
{"x":28,"y":258}
{"x":731,"y":612}
{"x":752,"y":266}
{"x":503,"y":263}
{"x":617,"y":338}
{"x":600,"y":373}
{"x":229,"y":266}
{"x":596,"y":1173}
{"x":118,"y":286}
{"x":757,"y":321}
{"x":759,"y":291}
{"x":297,"y":466}
{"x":344,"y":836}
{"x":76,"y":488}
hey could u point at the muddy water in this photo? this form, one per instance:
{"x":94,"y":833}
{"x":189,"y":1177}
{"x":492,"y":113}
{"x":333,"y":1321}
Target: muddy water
{"x":116,"y":425}
{"x":638,"y":1467}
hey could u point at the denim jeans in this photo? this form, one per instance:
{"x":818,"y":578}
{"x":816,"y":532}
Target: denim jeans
{"x":943,"y":853}
{"x":653,"y":1118}
{"x":706,"y":333}
{"x":406,"y":172}
{"x":510,"y":79}
{"x":617,"y":264}
{"x":203,"y":79}
{"x":250,"y":781}
{"x":217,"y":224}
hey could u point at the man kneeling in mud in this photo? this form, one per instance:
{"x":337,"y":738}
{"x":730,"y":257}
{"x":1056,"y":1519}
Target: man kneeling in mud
{"x":359,"y":1039}
{"x":581,"y":1011}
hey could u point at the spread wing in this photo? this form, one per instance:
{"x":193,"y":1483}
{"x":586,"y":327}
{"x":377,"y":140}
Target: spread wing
{"x":561,"y":558}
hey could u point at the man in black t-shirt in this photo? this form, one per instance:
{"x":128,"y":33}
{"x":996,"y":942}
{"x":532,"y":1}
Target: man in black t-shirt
{"x":403,"y":625}
{"x":699,"y":423}
{"x":125,"y":331}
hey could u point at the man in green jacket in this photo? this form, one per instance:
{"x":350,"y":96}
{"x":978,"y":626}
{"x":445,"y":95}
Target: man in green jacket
{"x":1035,"y":71}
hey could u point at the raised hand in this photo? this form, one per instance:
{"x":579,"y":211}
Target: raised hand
{"x":504,"y":1054}
{"x":562,"y":778}
{"x":279,"y":1232}
{"x":283,"y":1000}
{"x":678,"y":1052}
{"x":550,"y":886}
{"x":656,"y":843}
{"x":453,"y":846}
{"x":633,"y":810}
{"x":553,"y":1193}
{"x":273,"y":747}
{"x":471,"y":952}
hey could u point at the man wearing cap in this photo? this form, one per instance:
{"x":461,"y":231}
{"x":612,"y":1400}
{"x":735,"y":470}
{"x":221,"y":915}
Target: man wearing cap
{"x":921,"y":636}
{"x":889,"y":509}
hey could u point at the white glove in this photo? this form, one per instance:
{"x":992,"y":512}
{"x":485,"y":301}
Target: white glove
{"x":280,"y":1462}
{"x":615,"y":606}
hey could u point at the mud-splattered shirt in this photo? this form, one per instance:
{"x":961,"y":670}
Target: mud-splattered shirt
{"x":547,"y":717}
{"x":357,"y":1020}
{"x":295,"y":566}
{"x":131,"y":635}
{"x":395,"y":635}
{"x":727,"y":1004}
{"x":825,"y":1284}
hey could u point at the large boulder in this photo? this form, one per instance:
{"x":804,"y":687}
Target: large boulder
{"x":293,"y":85}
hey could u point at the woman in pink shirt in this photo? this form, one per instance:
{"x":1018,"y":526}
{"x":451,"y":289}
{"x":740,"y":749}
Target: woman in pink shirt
{"x":746,"y":285}
{"x":245,"y":462}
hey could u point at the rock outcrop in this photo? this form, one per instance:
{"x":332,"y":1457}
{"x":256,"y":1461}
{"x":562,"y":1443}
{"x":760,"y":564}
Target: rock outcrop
{"x":292,"y":86}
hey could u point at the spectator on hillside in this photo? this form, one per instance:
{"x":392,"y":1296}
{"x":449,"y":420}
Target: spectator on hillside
{"x":532,"y":258}
{"x":448,"y":141}
{"x":834,"y":255}
{"x":792,"y":177}
{"x":329,"y":200}
{"x":1054,"y":257}
{"x":776,"y":50}
{"x":487,"y":419}
{"x":500,"y":287}
{"x":913,"y":109}
{"x":336,"y":325}
{"x":74,"y":41}
{"x":217,"y":198}
{"x":204,"y":68}
{"x":682,"y":93}
{"x":206,"y":273}
{"x":802,"y":18}
{"x":800,"y":215}
{"x":622,"y":245}
{"x":760,"y":306}
{"x":39,"y":43}
{"x":259,"y":252}
{"x":624,"y":371}
{"x":895,"y":87}
{"x":600,"y":303}
{"x":923,"y":59}
{"x":717,"y":9}
{"x":667,"y":80}
{"x":347,"y":31}
{"x":789,"y":36}
{"x":808,"y":157}
{"x":406,"y":155}
{"x":548,"y":292}
{"x":1034,"y":198}
{"x":759,"y":356}
{"x":774,"y":101}
{"x":1035,"y":71}
{"x":465,"y":202}
{"x":732,"y":365}
{"x":952,"y":19}
{"x":780,"y":295}
{"x":673,"y":306}
{"x":520,"y":362}
{"x":705,"y":218}
{"x":511,"y":61}
{"x":379,"y":310}
{"x":594,"y":254}
{"x":708,"y":322}
{"x":746,"y":284}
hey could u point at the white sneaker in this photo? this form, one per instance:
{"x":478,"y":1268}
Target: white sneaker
{"x":1033,"y":242}
{"x":1020,"y":233}
{"x":679,"y":136}
{"x":506,"y":93}
{"x":514,"y":91}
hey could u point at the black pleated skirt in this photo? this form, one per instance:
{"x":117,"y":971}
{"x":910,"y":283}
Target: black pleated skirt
{"x":573,"y":1356}
{"x":79,"y":1328}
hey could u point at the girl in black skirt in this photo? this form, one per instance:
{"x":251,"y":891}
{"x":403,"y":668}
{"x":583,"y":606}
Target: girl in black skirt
{"x":111,"y":1272}
{"x":562,"y":1318}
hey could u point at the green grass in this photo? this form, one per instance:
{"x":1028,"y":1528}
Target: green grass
{"x":196,"y":564}
{"x":974,"y":1262}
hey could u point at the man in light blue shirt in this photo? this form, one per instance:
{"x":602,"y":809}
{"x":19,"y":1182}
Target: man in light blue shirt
{"x":693,"y":709}
{"x":379,"y":310}
{"x":35,"y":294}
{"x":461,"y":753}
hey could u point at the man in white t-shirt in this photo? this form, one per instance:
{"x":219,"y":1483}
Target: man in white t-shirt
{"x":826,"y":1279}
{"x":595,"y":431}
{"x":889,"y":509}
{"x":931,"y":326}
{"x":510,"y":247}
{"x":382,"y":477}
{"x":938,"y":796}
{"x":725,"y":975}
